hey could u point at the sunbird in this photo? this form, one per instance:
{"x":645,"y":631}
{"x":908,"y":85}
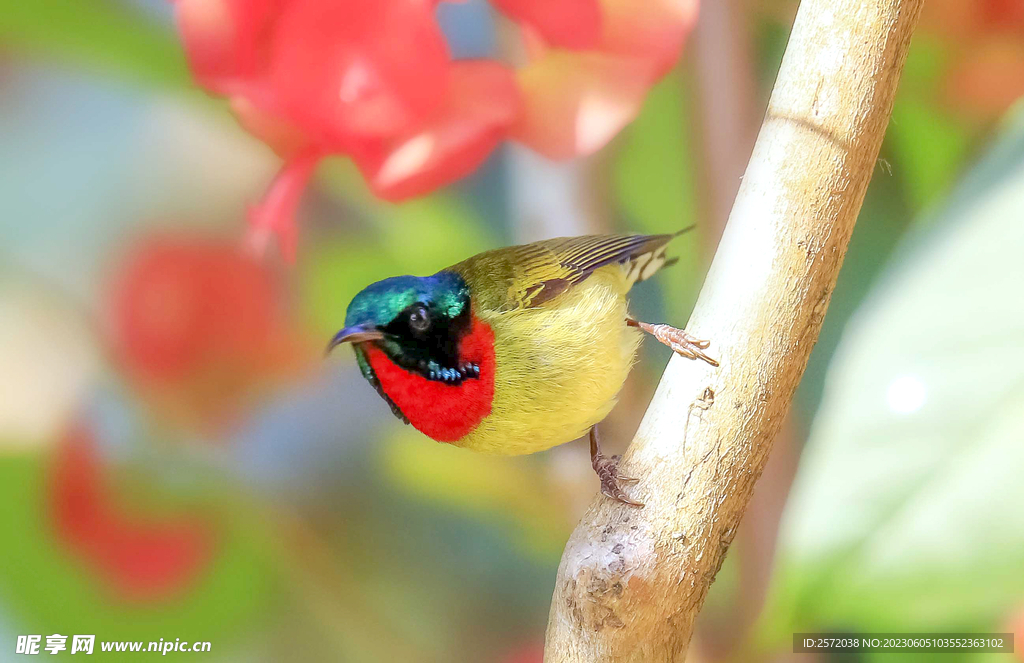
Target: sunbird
{"x":514,"y":350}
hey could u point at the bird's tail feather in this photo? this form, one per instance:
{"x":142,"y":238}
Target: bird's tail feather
{"x":644,"y":266}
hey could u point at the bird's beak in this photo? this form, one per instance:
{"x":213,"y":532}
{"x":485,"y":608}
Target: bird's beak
{"x":355,"y":334}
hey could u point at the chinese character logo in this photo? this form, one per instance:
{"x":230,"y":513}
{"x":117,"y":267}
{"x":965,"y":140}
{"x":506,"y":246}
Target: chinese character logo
{"x":56,"y":643}
{"x":82,"y":643}
{"x":28,"y":644}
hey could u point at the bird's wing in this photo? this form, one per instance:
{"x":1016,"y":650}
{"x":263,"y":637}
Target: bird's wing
{"x":536,"y":273}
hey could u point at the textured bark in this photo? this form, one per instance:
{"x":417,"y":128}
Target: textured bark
{"x":632,"y":581}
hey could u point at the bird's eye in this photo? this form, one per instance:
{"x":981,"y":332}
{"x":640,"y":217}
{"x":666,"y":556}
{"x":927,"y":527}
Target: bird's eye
{"x":419,"y":319}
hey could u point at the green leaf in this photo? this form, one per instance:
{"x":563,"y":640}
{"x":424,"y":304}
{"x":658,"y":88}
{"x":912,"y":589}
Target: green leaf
{"x":928,"y":142}
{"x":930,"y":147}
{"x":654,"y":183}
{"x":653,"y":172}
{"x":906,"y":512}
{"x":97,"y":35}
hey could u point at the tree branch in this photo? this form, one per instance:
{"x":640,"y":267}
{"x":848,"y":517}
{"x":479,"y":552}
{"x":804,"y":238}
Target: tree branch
{"x":632,"y":581}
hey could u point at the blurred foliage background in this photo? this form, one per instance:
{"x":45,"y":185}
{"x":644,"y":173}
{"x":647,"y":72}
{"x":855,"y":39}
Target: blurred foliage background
{"x":178,"y":461}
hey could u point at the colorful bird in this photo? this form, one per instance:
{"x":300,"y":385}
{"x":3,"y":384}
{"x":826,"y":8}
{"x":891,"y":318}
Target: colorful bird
{"x":514,"y":350}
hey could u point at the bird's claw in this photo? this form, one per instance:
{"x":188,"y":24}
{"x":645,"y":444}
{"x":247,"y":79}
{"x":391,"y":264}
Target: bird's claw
{"x":614,"y":491}
{"x":615,"y":461}
{"x":681,"y":342}
{"x":607,"y":470}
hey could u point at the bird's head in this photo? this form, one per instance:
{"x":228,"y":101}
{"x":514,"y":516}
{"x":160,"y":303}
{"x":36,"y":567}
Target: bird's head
{"x":418,"y":322}
{"x":421,"y":347}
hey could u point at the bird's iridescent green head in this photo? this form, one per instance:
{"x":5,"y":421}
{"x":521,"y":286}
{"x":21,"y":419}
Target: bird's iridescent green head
{"x":381,"y":304}
{"x":417,"y":321}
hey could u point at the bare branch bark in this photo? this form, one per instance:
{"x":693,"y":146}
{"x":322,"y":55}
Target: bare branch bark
{"x":729,"y":113}
{"x":632,"y":581}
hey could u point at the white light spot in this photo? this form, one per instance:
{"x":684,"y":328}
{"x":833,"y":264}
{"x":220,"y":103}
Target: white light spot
{"x":906,"y":394}
{"x":356,"y":83}
{"x":406,"y":160}
{"x":210,"y":22}
{"x":599,"y":118}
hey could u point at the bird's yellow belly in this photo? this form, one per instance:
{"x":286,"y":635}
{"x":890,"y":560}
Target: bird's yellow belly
{"x":559,"y":367}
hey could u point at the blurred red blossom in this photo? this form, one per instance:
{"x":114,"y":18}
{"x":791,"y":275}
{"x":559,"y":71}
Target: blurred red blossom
{"x":1015,"y":625}
{"x":373,"y":80}
{"x":955,"y":18}
{"x":532,"y":653}
{"x":986,"y":50}
{"x":197,"y":327}
{"x":141,"y":558}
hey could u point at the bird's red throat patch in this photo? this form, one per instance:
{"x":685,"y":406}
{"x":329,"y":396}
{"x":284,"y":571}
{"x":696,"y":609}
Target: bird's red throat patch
{"x":444,"y":412}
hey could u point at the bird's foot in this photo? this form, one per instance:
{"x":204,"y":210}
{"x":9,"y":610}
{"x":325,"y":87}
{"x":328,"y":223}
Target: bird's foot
{"x":677,"y":339}
{"x":607,"y":469}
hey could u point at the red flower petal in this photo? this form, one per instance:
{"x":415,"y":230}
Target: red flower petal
{"x":959,"y":21}
{"x":989,"y":79}
{"x":283,"y":137}
{"x":480,"y":104}
{"x":180,"y":306}
{"x":347,"y":71}
{"x":274,"y":216}
{"x":159,"y":321}
{"x":574,"y":24}
{"x":533,"y":653}
{"x":142,"y":560}
{"x":373,"y":79}
{"x":224,"y":38}
{"x":76,"y":503}
{"x":574,"y":103}
{"x":951,"y":18}
{"x":653,"y":29}
{"x":1002,"y":15}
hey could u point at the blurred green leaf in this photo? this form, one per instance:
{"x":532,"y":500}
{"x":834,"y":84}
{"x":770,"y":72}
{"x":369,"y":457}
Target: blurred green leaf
{"x":654,"y":183}
{"x":428,"y":234}
{"x":509,"y":491}
{"x":906,"y":511}
{"x":101,"y":35}
{"x":930,"y":147}
{"x":927,"y":63}
{"x":654,"y":169}
{"x":927,"y":141}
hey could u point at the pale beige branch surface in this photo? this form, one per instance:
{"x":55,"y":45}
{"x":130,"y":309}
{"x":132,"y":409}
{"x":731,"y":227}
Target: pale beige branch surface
{"x":632,"y":581}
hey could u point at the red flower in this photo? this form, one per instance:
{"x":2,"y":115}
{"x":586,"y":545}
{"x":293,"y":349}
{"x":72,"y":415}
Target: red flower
{"x":985,"y":51}
{"x":988,"y":79}
{"x":966,"y":20}
{"x":479,"y":106}
{"x":197,"y":327}
{"x":533,"y":653}
{"x":572,"y":24}
{"x":372,"y":79}
{"x":141,"y":559}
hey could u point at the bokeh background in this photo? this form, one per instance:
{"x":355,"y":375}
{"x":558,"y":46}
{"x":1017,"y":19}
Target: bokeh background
{"x":178,"y":460}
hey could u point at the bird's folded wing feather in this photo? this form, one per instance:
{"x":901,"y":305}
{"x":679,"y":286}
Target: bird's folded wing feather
{"x":536,"y":273}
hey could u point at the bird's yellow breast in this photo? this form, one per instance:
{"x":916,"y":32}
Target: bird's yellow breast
{"x":558,"y":367}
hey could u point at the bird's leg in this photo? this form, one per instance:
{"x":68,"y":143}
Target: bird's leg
{"x":607,"y":469}
{"x":677,"y":339}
